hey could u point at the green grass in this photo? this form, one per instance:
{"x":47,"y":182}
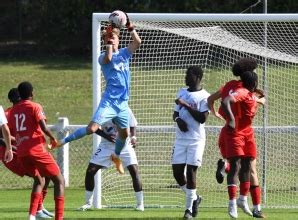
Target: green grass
{"x":10,"y":209}
{"x":64,"y":87}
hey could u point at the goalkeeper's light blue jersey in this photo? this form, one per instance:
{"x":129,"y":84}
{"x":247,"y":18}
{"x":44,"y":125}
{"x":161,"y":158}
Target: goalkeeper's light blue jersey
{"x":116,"y":74}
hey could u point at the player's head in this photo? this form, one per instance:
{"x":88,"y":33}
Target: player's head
{"x":249,"y":80}
{"x":114,"y":35}
{"x":14,"y":96}
{"x":193,"y":76}
{"x":26,"y":90}
{"x":243,"y":65}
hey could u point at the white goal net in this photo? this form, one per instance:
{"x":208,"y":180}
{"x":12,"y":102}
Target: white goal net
{"x":171,"y":43}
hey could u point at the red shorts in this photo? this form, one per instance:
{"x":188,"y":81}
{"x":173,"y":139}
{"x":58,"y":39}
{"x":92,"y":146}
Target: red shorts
{"x":14,"y":165}
{"x":237,"y":144}
{"x":43,"y":164}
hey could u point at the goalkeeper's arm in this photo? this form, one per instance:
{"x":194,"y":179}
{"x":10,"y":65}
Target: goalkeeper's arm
{"x":136,"y":40}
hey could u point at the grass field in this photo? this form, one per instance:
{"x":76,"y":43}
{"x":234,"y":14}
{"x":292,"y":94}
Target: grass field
{"x":10,"y":209}
{"x":64,"y":88}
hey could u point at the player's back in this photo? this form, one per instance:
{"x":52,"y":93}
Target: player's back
{"x":23,"y":121}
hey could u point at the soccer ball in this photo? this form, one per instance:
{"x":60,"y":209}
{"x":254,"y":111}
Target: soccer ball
{"x":118,"y":18}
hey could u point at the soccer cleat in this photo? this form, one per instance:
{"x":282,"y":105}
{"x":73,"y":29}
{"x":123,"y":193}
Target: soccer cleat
{"x":244,"y":206}
{"x":117,"y":163}
{"x":84,"y":207}
{"x":41,"y":214}
{"x":220,"y":170}
{"x":233,"y":211}
{"x":257,"y":214}
{"x":195,"y":206}
{"x":140,"y":208}
{"x":187,"y":214}
{"x":47,"y":212}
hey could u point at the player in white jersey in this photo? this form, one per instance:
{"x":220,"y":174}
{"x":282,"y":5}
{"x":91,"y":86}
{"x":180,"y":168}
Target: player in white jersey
{"x":190,"y":113}
{"x":8,"y":155}
{"x":102,"y":159}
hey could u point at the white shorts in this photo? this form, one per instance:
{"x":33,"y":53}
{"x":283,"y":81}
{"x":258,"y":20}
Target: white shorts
{"x":102,"y":155}
{"x":188,"y":152}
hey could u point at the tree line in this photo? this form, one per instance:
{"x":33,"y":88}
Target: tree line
{"x":53,"y":27}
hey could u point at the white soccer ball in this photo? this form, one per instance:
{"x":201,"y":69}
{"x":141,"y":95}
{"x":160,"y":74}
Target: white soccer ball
{"x":118,"y":18}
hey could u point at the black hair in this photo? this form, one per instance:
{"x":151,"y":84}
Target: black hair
{"x":13,"y":95}
{"x":196,"y":70}
{"x":249,"y":80}
{"x":25,"y":89}
{"x":243,"y":65}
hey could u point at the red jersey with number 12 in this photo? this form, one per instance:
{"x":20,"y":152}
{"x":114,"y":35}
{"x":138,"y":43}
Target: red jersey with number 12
{"x":23,"y":121}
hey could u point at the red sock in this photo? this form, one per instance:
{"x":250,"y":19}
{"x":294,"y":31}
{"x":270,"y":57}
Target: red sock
{"x":59,"y":207}
{"x":244,"y":188}
{"x":255,"y":192}
{"x":43,"y":196}
{"x":232,"y":190}
{"x":227,"y":169}
{"x":35,"y":197}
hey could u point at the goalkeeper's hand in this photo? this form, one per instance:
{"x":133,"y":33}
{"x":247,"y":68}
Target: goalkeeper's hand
{"x":128,"y":24}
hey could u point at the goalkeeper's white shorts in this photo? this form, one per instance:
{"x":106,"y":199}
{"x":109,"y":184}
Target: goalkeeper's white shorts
{"x":188,"y":152}
{"x":102,"y":155}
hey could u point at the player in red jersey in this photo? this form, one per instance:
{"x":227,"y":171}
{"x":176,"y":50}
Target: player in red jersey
{"x":28,"y":122}
{"x":240,"y":147}
{"x":16,"y":167}
{"x":242,"y":65}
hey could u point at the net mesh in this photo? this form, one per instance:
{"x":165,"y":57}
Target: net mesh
{"x":158,"y":71}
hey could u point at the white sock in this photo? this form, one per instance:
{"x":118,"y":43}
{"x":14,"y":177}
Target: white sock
{"x":257,"y":207}
{"x":89,"y":197}
{"x":243,"y":198}
{"x":139,"y":197}
{"x":190,"y":197}
{"x":32,"y":217}
{"x":232,"y":202}
{"x":183,"y":188}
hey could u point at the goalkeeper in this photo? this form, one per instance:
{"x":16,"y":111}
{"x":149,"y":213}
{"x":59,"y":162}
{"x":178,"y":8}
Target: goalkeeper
{"x":114,"y":63}
{"x":101,"y":159}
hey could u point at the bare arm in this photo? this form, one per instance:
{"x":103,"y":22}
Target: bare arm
{"x":7,"y":138}
{"x":211,"y":99}
{"x":136,"y":41}
{"x":45,"y":130}
{"x":105,"y":136}
{"x":226,"y":105}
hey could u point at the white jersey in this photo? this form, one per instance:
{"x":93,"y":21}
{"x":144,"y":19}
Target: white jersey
{"x":3,"y":119}
{"x":198,"y":101}
{"x":111,"y":129}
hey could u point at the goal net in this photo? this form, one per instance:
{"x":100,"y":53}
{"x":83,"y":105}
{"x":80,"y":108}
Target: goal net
{"x":170,"y":44}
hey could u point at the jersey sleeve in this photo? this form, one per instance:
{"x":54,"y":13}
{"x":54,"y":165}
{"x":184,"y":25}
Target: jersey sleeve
{"x":38,"y":113}
{"x":126,"y":53}
{"x":100,"y":58}
{"x":178,"y":95}
{"x":3,"y":119}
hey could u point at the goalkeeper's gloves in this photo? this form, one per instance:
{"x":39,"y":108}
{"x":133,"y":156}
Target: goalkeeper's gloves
{"x":129,"y":24}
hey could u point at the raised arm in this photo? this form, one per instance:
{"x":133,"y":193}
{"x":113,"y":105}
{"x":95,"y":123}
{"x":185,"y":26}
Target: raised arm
{"x":136,"y":40}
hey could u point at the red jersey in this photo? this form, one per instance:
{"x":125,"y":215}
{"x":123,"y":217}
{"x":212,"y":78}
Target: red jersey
{"x":226,"y":90}
{"x":23,"y":121}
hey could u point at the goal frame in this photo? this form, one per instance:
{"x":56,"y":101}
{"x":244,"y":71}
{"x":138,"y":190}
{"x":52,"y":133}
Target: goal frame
{"x":96,"y":45}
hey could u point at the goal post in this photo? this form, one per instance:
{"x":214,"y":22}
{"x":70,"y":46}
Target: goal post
{"x":171,"y":43}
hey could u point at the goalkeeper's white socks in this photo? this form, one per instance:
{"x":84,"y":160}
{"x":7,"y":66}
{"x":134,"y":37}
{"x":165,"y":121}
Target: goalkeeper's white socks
{"x":191,"y":195}
{"x":89,"y":197}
